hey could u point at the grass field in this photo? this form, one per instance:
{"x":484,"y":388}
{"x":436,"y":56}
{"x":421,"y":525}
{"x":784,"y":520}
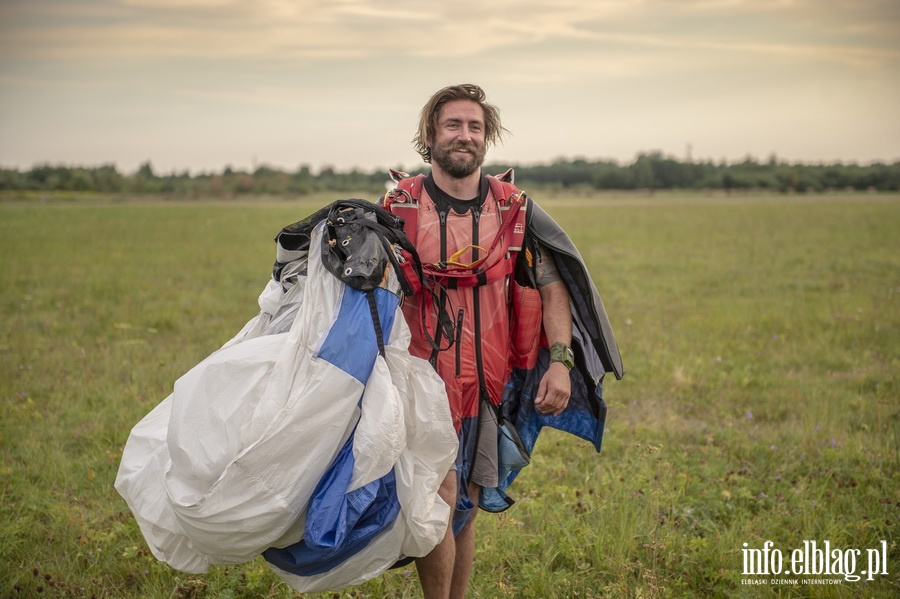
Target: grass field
{"x":761,"y":340}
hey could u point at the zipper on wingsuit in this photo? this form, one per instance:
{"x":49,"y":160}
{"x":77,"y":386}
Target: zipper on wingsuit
{"x":442,"y":217}
{"x":476,"y":307}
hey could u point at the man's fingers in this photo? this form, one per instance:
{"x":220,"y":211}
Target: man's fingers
{"x":552,"y":401}
{"x":541,"y":392}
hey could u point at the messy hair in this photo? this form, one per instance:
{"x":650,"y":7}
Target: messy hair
{"x":428,"y":117}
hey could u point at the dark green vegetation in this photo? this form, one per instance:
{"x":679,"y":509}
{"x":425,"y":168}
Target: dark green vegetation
{"x":649,"y":171}
{"x":760,"y":339}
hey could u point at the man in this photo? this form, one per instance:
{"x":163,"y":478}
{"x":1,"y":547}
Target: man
{"x":459,"y":217}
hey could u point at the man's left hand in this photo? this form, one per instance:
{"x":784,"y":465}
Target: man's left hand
{"x":554,"y":390}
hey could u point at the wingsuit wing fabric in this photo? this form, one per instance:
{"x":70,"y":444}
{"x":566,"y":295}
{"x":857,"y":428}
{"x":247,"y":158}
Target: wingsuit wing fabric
{"x":224,"y":469}
{"x":596,"y":354}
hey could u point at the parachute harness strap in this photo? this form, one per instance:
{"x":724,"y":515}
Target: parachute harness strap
{"x":376,"y":321}
{"x":454,"y":259}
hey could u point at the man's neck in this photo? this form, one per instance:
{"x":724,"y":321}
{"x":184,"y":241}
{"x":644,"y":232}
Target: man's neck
{"x":465,"y":188}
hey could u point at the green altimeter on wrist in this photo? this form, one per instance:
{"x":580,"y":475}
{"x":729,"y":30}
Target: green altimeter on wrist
{"x":560,"y":352}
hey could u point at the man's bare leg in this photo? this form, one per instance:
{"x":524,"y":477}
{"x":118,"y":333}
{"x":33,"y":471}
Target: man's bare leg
{"x":436,"y":569}
{"x":465,"y":549}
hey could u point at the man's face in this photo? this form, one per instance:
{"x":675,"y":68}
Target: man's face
{"x":458,"y":144}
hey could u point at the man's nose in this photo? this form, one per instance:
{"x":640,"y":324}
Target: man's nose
{"x":464,"y":133}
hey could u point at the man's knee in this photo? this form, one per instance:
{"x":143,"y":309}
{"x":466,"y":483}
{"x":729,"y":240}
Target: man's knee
{"x":474,"y":493}
{"x":474,"y":497}
{"x":447,"y":490}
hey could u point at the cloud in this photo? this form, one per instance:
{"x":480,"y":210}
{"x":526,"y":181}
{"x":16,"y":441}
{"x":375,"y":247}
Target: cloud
{"x":277,"y":72}
{"x":311,"y":30}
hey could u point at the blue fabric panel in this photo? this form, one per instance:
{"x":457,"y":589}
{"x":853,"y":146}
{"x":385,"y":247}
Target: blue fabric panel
{"x":494,"y":500}
{"x":339,"y":524}
{"x":465,"y":456}
{"x":584,"y":417}
{"x":351,"y":344}
{"x":579,"y":419}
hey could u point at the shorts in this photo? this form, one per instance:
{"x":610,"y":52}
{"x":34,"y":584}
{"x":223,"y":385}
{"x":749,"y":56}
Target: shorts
{"x":485,"y":470}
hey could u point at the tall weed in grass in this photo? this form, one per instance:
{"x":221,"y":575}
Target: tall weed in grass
{"x":760,"y":338}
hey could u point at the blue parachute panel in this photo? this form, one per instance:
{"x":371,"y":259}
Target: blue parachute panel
{"x":353,"y":346}
{"x":339,"y":524}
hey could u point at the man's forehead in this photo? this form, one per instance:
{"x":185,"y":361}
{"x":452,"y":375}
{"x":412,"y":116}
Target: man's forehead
{"x":461,"y":110}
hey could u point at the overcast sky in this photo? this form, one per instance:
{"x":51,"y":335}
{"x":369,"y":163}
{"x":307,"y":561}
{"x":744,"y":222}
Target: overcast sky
{"x":204,"y":84}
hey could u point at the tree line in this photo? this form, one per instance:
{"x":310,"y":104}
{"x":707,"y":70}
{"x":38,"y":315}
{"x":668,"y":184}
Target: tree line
{"x":649,"y":171}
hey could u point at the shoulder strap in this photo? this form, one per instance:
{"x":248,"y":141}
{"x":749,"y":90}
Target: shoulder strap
{"x":511,"y":197}
{"x":409,"y":189}
{"x":403,"y":201}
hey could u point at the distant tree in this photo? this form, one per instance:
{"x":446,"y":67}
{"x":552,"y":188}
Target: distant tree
{"x":611,"y":176}
{"x":145,"y":171}
{"x":651,"y":170}
{"x":641,"y":171}
{"x":107,"y":179}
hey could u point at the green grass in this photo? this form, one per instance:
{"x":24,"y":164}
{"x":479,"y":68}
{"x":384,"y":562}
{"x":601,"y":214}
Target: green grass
{"x":761,"y":339}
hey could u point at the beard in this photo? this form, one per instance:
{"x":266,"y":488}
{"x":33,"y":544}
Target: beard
{"x":458,"y":166}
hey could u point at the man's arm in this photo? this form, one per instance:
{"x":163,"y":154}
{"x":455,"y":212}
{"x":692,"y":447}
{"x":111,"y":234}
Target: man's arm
{"x":555,"y":387}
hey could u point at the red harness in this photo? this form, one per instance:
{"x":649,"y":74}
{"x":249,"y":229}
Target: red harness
{"x":496,"y":262}
{"x":500,"y":258}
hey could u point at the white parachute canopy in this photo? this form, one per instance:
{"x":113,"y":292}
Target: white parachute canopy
{"x":245,"y":456}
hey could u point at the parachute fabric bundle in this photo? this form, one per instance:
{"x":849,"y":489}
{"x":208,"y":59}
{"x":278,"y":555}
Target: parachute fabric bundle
{"x":225,"y":468}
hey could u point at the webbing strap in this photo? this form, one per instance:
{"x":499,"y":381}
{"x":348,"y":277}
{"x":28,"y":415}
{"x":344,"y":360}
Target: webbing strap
{"x":376,"y":321}
{"x":493,"y":256}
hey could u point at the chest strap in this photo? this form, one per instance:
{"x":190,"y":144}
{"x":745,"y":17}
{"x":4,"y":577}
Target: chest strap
{"x":499,"y":259}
